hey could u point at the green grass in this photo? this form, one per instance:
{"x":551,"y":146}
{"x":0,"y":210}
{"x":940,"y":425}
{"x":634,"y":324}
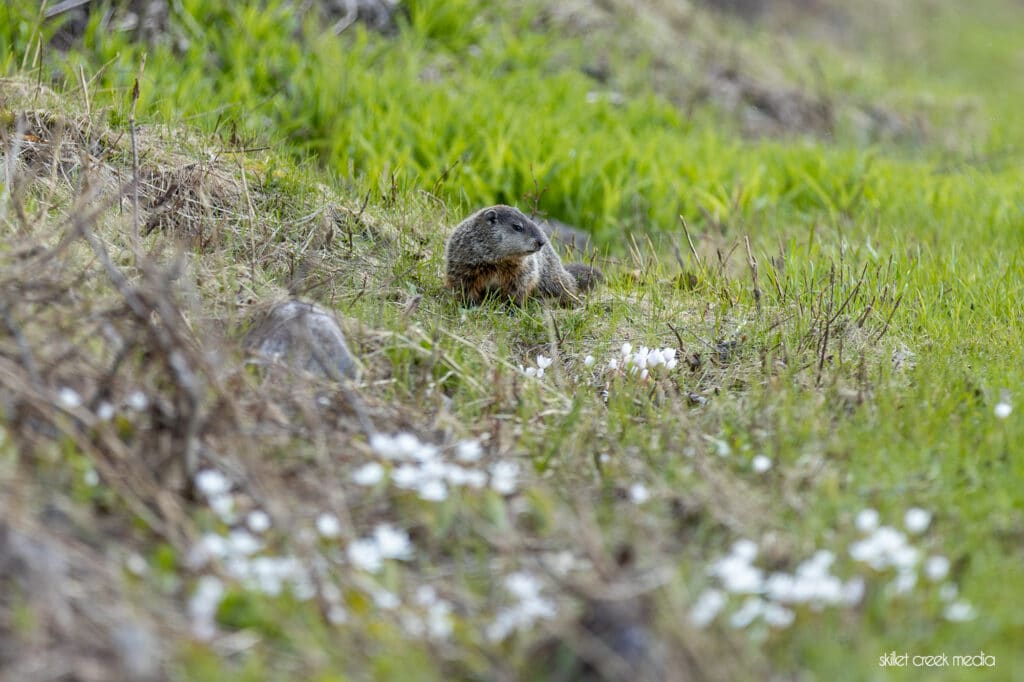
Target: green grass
{"x":472,"y":104}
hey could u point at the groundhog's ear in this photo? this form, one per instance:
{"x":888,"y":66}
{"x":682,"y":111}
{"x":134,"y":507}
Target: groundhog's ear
{"x":491,"y":215}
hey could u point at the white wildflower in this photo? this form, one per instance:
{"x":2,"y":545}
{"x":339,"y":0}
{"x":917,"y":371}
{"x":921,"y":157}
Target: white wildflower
{"x":138,"y":401}
{"x":468,"y":451}
{"x":365,"y":554}
{"x":136,"y":564}
{"x":916,"y":520}
{"x":627,"y":348}
{"x":746,"y":614}
{"x":328,"y":525}
{"x":589,"y":361}
{"x":369,"y":474}
{"x":385,"y":600}
{"x":613,"y":364}
{"x":392,"y":543}
{"x":212,"y":483}
{"x":91,"y":478}
{"x":777,"y":616}
{"x":504,"y":477}
{"x":104,"y":411}
{"x":959,"y":612}
{"x":867,"y":520}
{"x":543,"y":361}
{"x":936,"y":568}
{"x":202,"y":606}
{"x":406,"y":476}
{"x":243,"y":543}
{"x":224,"y":507}
{"x":384,"y":445}
{"x":638,"y":493}
{"x":761,"y":464}
{"x":1003,"y":409}
{"x":258,"y":521}
{"x":439,"y":621}
{"x":69,"y":398}
{"x":433,"y":490}
{"x":707,"y":608}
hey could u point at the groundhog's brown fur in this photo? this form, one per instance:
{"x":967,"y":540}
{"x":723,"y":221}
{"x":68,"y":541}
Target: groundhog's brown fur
{"x":498,"y":249}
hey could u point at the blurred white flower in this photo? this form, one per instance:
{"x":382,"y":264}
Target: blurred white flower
{"x":224,"y":507}
{"x":328,"y":525}
{"x":385,"y":600}
{"x":202,"y":606}
{"x":369,"y":474}
{"x":136,"y":564}
{"x":211,"y":482}
{"x":613,"y":364}
{"x":242,"y":542}
{"x":258,"y":521}
{"x":365,"y":555}
{"x":744,"y":549}
{"x":468,"y":451}
{"x":392,"y":543}
{"x":1003,"y":409}
{"x":760,"y":464}
{"x":638,"y":493}
{"x":867,"y":520}
{"x":504,"y":477}
{"x":589,"y":361}
{"x":627,"y":348}
{"x":406,"y":476}
{"x":543,"y":361}
{"x":91,"y":478}
{"x":707,"y":607}
{"x":69,"y":398}
{"x":433,"y":490}
{"x":104,"y":411}
{"x":777,"y":616}
{"x":137,"y":401}
{"x":746,"y":614}
{"x":948,"y":592}
{"x":959,"y":612}
{"x":916,"y":520}
{"x":439,"y":621}
{"x":936,"y":568}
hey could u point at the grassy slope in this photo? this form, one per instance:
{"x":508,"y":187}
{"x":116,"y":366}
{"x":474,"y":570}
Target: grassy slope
{"x":861,"y":434}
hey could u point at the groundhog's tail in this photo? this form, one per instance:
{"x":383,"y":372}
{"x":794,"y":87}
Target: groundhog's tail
{"x":586,"y":276}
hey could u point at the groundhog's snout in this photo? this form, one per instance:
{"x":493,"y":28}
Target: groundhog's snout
{"x":538,"y":243}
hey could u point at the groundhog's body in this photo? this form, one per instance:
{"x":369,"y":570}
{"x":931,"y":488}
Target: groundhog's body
{"x":498,"y":249}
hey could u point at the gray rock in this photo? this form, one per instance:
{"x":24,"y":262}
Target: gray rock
{"x":303,"y":336}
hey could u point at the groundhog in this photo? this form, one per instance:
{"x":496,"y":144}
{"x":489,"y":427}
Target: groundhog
{"x":498,"y":249}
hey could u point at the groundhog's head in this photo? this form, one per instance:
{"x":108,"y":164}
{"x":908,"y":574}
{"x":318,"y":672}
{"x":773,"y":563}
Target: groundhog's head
{"x":513,"y":232}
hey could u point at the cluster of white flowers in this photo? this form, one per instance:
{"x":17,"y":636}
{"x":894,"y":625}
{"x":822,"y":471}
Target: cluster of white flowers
{"x":543,"y":362}
{"x":812,"y":583}
{"x":387,"y":542}
{"x":885,"y":547}
{"x":771,"y":597}
{"x":422,"y":467}
{"x":203,"y":605}
{"x":71,"y":399}
{"x":644,"y":360}
{"x":216,"y":488}
{"x":434,"y":620}
{"x":530,"y":607}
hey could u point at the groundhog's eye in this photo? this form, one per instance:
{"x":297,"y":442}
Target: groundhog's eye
{"x":518,"y":227}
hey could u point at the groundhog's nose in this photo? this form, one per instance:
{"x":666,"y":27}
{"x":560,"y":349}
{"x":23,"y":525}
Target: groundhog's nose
{"x":538,"y":244}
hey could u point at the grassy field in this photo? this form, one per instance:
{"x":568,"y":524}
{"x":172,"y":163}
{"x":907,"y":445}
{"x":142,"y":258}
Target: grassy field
{"x":780,"y":442}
